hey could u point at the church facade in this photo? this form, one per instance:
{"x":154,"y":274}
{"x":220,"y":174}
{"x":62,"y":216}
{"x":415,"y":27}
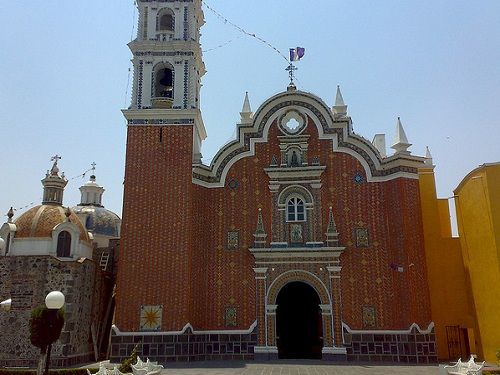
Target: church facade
{"x":301,"y":239}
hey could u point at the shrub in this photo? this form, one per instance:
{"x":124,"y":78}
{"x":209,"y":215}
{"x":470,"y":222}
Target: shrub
{"x":126,"y":365}
{"x":41,"y":332}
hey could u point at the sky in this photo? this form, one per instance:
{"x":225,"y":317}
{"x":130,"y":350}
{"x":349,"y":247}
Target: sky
{"x":65,"y":78}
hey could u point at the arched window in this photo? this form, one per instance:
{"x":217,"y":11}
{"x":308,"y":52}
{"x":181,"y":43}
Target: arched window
{"x":295,"y":210}
{"x":166,"y":21}
{"x":164,"y":83}
{"x":64,"y":244}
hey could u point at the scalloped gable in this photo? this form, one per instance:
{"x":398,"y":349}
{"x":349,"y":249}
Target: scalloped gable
{"x":336,"y":128}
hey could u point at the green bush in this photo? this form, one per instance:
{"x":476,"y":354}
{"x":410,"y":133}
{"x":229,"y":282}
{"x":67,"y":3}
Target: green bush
{"x":491,"y":372}
{"x":41,"y":332}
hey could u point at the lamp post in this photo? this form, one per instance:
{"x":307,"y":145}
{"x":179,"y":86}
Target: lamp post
{"x":5,"y":305}
{"x":54,"y":301}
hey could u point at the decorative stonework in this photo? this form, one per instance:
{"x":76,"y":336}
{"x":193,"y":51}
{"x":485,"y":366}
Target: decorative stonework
{"x":233,"y":184}
{"x":369,"y":318}
{"x":300,"y":122}
{"x":376,"y":165}
{"x":358,"y":178}
{"x":296,"y":234}
{"x":233,"y":237}
{"x":297,"y":275}
{"x":361,"y":237}
{"x":230,"y":317}
{"x":151,"y":317}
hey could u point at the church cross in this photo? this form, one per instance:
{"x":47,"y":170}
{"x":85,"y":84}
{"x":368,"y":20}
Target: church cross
{"x":55,"y":158}
{"x":93,"y":165}
{"x":291,"y":72}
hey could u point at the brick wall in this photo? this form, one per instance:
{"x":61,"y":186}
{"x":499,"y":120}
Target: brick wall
{"x":174,"y":236}
{"x":155,"y":248}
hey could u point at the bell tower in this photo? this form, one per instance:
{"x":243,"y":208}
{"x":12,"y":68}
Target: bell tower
{"x":168,"y":66}
{"x":164,"y":134}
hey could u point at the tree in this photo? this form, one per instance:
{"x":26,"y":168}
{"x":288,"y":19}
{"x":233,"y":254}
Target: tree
{"x":45,"y":328}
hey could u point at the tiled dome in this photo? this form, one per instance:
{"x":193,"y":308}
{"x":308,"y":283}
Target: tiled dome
{"x":100,"y":221}
{"x":39,"y":221}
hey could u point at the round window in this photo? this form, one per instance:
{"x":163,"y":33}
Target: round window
{"x":292,"y":123}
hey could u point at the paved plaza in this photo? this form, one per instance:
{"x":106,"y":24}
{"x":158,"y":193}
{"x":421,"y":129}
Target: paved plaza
{"x":293,"y":368}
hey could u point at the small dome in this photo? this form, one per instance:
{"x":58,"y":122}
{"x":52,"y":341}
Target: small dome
{"x":41,"y":220}
{"x":100,"y":221}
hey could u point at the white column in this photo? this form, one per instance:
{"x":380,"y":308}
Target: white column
{"x":146,"y":83}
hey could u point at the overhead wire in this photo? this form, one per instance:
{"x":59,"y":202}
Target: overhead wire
{"x":242,"y":30}
{"x":130,"y":64}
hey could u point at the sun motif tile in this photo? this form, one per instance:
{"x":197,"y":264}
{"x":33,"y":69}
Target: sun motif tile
{"x":151,"y":317}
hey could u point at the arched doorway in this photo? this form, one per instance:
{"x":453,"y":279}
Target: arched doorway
{"x":299,"y":322}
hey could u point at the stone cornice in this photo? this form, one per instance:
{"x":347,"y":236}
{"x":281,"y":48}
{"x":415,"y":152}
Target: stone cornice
{"x":166,"y":117}
{"x":294,"y":173}
{"x":296,"y":252}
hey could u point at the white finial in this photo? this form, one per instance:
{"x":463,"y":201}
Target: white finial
{"x":339,"y":108}
{"x":400,"y":140}
{"x":246,"y":112}
{"x":379,"y":143}
{"x":428,"y":156}
{"x":339,"y":100}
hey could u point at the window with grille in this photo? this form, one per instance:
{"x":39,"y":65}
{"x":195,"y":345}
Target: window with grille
{"x":296,"y":210}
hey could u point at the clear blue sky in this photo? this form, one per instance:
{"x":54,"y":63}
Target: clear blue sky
{"x":65,"y":65}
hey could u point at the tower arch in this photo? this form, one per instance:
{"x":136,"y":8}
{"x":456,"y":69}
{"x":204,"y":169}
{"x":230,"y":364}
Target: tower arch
{"x":163,"y":85}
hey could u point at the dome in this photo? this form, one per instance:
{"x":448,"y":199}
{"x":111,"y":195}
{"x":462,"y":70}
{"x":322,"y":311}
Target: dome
{"x":99,"y":221}
{"x":39,"y":221}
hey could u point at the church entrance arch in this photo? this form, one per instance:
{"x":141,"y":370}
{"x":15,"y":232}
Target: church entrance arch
{"x":299,"y":325}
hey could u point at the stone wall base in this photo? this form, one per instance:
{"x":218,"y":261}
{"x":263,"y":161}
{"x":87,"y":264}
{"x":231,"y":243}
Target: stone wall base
{"x":413,"y":347}
{"x":334,"y":357}
{"x":55,"y":362}
{"x":186,"y":347}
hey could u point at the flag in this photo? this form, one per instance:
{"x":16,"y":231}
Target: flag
{"x":297,"y":53}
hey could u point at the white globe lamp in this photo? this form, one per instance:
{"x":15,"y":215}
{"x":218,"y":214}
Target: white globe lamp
{"x":5,"y":305}
{"x":54,"y":300}
{"x":2,"y":244}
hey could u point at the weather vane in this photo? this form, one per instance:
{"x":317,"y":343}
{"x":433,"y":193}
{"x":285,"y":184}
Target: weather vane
{"x":295,"y":55}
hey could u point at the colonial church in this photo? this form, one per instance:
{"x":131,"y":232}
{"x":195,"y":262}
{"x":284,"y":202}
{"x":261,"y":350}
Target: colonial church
{"x":301,"y":239}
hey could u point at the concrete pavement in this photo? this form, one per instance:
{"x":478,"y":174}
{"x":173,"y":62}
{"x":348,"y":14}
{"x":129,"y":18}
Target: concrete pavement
{"x":293,"y":368}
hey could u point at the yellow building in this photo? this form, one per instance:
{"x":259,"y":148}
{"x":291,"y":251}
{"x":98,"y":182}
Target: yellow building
{"x":477,"y":201}
{"x":450,"y":306}
{"x":464,"y":272}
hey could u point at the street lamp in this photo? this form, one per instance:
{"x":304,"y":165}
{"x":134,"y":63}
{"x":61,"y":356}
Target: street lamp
{"x":5,"y":305}
{"x":54,"y":301}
